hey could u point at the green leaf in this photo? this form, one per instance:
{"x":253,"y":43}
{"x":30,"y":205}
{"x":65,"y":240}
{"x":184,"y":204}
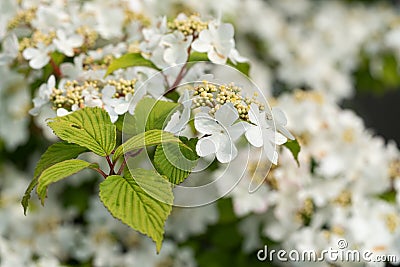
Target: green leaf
{"x":197,"y":56}
{"x":133,"y":201}
{"x":294,"y":148}
{"x":55,"y":153}
{"x":57,"y":172}
{"x":153,"y":114}
{"x":176,"y":161}
{"x":88,"y":127}
{"x":243,"y":67}
{"x":129,"y":60}
{"x":149,"y":138}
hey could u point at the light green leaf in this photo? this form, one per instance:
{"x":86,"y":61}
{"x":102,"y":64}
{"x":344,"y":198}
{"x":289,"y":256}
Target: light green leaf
{"x":153,"y":114}
{"x":149,"y":138}
{"x":197,"y":56}
{"x":57,"y":172}
{"x":294,"y":148}
{"x":88,"y":127}
{"x":129,"y":60}
{"x":55,"y":153}
{"x":176,"y":161}
{"x":136,"y":201}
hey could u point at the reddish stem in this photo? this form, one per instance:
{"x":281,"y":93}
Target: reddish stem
{"x":111,"y":165}
{"x":55,"y":67}
{"x":101,"y":172}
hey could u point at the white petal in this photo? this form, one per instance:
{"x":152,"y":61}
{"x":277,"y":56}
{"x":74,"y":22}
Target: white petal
{"x":254,"y":136}
{"x":201,"y":46}
{"x":205,"y":124}
{"x":29,"y":53}
{"x":237,"y":130}
{"x":227,"y":151}
{"x":62,"y":112}
{"x":279,"y":116}
{"x":39,"y":62}
{"x":225,"y":31}
{"x":254,"y":114}
{"x":226,"y":115}
{"x":280,"y":139}
{"x":215,"y":57}
{"x":206,"y":146}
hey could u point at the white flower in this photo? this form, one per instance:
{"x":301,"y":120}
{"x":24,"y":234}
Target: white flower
{"x":10,"y":49}
{"x":217,"y":41}
{"x":262,"y":134}
{"x":66,"y":44}
{"x":38,"y":57}
{"x":177,"y":47}
{"x":222,"y":133}
{"x":179,"y":120}
{"x":280,"y":121}
{"x":43,"y":96}
{"x":152,"y":36}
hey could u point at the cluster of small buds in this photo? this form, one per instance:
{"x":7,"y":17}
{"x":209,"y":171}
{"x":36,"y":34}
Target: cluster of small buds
{"x":123,"y":87}
{"x":23,"y":17}
{"x":89,"y":35}
{"x":392,"y":222}
{"x":72,"y":92}
{"x":37,"y":37}
{"x":394,"y":169}
{"x":135,"y":16}
{"x":214,"y":96}
{"x":343,"y":199}
{"x":89,"y":63}
{"x":304,"y":215}
{"x":192,"y":25}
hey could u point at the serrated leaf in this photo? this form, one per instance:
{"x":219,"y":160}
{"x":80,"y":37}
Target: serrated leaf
{"x":55,"y":153}
{"x":294,"y":148}
{"x":175,"y":161}
{"x":57,"y":172}
{"x":153,"y":114}
{"x":134,"y":200}
{"x":88,"y":127}
{"x":149,"y":138}
{"x":129,"y":60}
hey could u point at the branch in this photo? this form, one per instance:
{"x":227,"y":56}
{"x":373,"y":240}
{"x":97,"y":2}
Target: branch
{"x":121,"y":168}
{"x":101,"y":172}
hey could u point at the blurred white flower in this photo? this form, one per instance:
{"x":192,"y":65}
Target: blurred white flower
{"x":43,"y":95}
{"x":10,"y":49}
{"x":177,"y":47}
{"x":221,"y":133}
{"x":66,"y":44}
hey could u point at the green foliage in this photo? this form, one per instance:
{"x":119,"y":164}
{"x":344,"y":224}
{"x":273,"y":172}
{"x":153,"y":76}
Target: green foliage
{"x":88,"y":127}
{"x":133,"y":201}
{"x":176,"y":161}
{"x":129,"y":60}
{"x":57,"y":172}
{"x":54,"y":154}
{"x":294,"y":148}
{"x":153,"y":114}
{"x":149,"y":138}
{"x":377,"y":80}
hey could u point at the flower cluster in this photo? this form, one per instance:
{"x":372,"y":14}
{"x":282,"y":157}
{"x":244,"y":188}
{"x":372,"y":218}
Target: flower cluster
{"x":337,"y":192}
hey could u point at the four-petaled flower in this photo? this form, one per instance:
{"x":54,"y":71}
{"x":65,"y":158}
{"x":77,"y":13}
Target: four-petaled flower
{"x":221,"y":133}
{"x":262,"y":134}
